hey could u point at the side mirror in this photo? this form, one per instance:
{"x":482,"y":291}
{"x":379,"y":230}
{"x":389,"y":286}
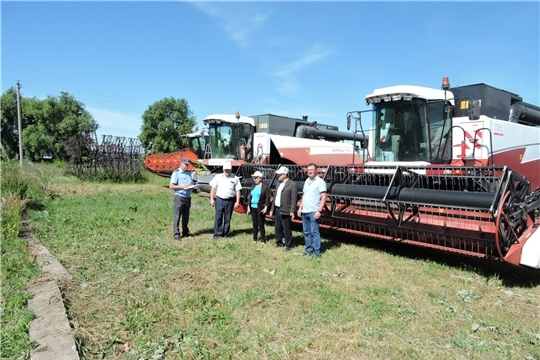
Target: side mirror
{"x":349,"y":122}
{"x":474,"y":110}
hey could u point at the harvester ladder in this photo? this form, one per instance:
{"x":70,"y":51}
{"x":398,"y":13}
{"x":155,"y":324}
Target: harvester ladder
{"x":208,"y":151}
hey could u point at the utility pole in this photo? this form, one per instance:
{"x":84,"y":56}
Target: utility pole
{"x":19,"y":118}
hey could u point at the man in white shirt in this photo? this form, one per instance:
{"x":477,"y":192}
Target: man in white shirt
{"x":310,"y":210}
{"x":226,"y":192}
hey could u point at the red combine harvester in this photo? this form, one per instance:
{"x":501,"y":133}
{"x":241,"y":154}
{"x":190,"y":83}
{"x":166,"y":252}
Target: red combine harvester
{"x":456,"y":169}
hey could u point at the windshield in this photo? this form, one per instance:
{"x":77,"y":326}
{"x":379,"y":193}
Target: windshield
{"x":402,"y":133}
{"x":197,"y":144}
{"x":231,"y":141}
{"x":439,"y":116}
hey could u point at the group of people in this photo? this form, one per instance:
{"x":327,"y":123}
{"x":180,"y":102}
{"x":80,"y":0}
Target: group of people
{"x":225,"y":197}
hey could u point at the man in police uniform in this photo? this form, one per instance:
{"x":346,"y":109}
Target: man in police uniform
{"x":182,"y":184}
{"x":226,"y":191}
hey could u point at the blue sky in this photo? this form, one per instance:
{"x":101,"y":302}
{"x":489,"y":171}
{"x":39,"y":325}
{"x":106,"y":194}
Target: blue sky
{"x":286,"y":58}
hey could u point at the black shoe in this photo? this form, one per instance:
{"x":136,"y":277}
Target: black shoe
{"x":307,"y":254}
{"x":279,"y":245}
{"x":288,"y":249}
{"x":187,"y":236}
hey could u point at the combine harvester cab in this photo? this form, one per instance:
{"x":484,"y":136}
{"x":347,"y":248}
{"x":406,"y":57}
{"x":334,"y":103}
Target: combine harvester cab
{"x":447,"y":179}
{"x":273,"y":139}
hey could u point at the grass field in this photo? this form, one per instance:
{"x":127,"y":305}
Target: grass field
{"x":139,"y":293}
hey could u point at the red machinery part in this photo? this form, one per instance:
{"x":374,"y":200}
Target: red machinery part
{"x":167,"y":163}
{"x":484,"y":212}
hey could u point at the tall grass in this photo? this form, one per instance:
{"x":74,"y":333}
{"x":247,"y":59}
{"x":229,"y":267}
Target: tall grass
{"x":18,"y":191}
{"x":140,"y":293}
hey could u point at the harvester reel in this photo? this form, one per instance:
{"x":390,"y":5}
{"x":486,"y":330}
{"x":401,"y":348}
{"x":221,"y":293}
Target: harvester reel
{"x":510,"y":223}
{"x":403,"y":213}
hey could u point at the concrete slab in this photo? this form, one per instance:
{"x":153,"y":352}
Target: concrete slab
{"x":50,"y":266}
{"x":50,"y":328}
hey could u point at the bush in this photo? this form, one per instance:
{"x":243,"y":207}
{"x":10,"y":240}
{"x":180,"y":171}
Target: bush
{"x":12,"y":208}
{"x":11,"y":179}
{"x":60,"y":164}
{"x":114,"y":176}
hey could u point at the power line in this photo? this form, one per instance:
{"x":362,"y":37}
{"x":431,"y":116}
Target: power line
{"x":37,"y":84}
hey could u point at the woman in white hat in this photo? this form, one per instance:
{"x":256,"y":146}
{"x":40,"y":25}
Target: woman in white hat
{"x":258,"y":203}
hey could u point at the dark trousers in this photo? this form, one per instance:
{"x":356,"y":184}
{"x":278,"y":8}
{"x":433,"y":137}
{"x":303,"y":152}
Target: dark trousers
{"x":224,"y":210}
{"x":258,"y":224}
{"x":283,"y":226}
{"x":181,"y":207}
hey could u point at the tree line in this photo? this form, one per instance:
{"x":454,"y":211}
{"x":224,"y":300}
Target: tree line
{"x":48,"y":124}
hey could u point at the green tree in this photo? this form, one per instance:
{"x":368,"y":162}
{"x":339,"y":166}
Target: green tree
{"x":51,"y":122}
{"x":9,"y":133}
{"x":46,"y":124}
{"x":163,"y":124}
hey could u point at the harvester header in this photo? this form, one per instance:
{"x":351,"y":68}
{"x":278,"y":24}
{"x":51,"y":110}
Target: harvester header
{"x":455,"y":169}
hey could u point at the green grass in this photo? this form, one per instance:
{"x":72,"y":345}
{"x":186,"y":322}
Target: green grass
{"x":18,"y":191}
{"x":17,"y":271}
{"x":139,"y":290}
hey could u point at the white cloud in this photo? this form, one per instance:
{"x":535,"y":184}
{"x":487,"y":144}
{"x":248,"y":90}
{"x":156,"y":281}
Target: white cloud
{"x":289,"y":87}
{"x":240,"y":31}
{"x":241,"y":22}
{"x":238,"y":25}
{"x":313,"y":55}
{"x":116,"y":124}
{"x":288,"y":72}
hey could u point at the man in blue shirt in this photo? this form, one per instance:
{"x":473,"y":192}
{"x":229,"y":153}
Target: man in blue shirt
{"x":182,"y":184}
{"x":310,"y":208}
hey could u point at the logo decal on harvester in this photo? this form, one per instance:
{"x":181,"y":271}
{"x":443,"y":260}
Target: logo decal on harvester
{"x":498,"y":130}
{"x":326,"y":150}
{"x":473,"y":140}
{"x":470,"y":139}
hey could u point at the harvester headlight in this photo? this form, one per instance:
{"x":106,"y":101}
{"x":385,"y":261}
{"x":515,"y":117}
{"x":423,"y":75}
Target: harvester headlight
{"x":407,"y":97}
{"x":370,"y":101}
{"x":376,"y":100}
{"x":387,"y":98}
{"x":396,"y":97}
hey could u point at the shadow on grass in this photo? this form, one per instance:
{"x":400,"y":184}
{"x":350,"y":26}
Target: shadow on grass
{"x":512,"y":276}
{"x":207,"y":231}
